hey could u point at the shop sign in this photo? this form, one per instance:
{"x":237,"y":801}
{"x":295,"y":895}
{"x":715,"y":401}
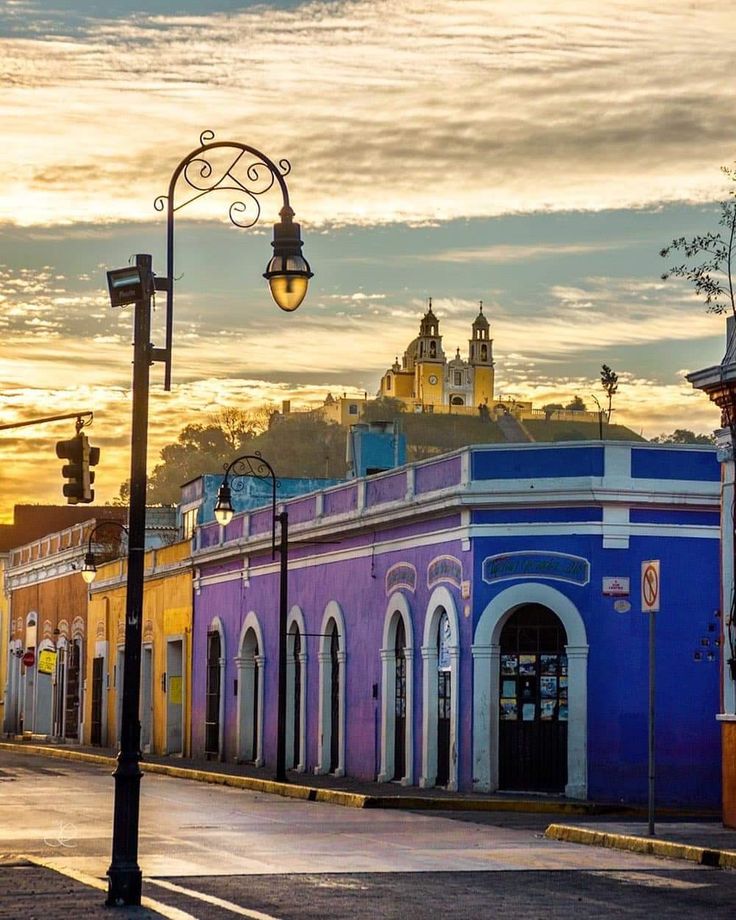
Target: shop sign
{"x":47,"y":661}
{"x":536,"y":564}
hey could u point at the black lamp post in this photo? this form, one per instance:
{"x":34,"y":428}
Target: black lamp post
{"x":89,"y":568}
{"x":253,"y":465}
{"x":250,"y":174}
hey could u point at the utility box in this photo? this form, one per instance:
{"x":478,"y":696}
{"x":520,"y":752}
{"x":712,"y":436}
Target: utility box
{"x":374,"y":447}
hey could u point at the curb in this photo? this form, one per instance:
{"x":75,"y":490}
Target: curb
{"x":317,"y":793}
{"x":335,"y":796}
{"x":668,"y":849}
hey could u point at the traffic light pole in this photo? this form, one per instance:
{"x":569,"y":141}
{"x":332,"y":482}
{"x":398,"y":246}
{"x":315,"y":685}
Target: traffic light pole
{"x":124,"y":874}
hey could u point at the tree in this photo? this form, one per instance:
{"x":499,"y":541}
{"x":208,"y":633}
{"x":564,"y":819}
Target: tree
{"x":550,"y":409}
{"x":239,"y":425}
{"x":609,"y":382}
{"x":576,"y":405}
{"x":385,"y":409}
{"x":712,"y":278}
{"x":684,"y":436}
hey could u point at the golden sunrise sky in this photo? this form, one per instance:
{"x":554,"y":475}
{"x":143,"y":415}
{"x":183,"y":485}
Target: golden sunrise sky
{"x":533,"y":154}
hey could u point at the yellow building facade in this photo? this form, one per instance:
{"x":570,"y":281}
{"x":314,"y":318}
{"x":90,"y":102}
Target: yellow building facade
{"x":425,"y":380}
{"x":166,"y":666}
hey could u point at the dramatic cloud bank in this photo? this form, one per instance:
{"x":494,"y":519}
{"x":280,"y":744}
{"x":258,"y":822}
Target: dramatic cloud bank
{"x":391,"y":110}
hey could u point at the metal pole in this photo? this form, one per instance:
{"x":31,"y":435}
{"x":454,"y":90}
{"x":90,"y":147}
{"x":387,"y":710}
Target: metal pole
{"x":651,"y":722}
{"x":124,"y":874}
{"x":283,"y":612}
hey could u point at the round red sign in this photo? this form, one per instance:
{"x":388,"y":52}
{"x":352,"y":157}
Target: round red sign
{"x":29,"y":659}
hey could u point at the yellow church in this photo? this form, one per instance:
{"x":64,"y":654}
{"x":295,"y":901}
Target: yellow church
{"x":426,"y":381}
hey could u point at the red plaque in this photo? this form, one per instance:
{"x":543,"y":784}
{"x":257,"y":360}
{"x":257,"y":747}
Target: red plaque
{"x":29,"y":658}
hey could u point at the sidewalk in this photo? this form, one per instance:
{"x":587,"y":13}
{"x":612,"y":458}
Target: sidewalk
{"x":698,"y":837}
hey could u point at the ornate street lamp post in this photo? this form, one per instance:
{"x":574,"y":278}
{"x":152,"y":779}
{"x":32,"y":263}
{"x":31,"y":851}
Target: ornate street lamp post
{"x":253,"y":465}
{"x":250,"y":174}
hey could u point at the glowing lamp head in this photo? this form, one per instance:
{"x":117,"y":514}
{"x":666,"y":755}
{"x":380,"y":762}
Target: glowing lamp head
{"x":89,"y":569}
{"x":288,"y":272}
{"x":224,"y":510}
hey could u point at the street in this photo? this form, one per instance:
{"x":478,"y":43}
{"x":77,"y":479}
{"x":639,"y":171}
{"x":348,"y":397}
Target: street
{"x":215,"y":852}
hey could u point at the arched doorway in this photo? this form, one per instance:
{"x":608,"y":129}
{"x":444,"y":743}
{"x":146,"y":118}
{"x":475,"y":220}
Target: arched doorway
{"x":400,"y":703}
{"x":533,"y":694}
{"x":440,"y":685}
{"x":397,"y":684}
{"x":486,"y":651}
{"x":213,"y":695}
{"x":296,"y":699}
{"x":332,"y":657}
{"x":249,"y":692}
{"x":296,"y":695}
{"x":334,"y":714}
{"x":444,"y":699}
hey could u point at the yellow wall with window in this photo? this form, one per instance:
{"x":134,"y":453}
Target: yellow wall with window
{"x":167,"y":616}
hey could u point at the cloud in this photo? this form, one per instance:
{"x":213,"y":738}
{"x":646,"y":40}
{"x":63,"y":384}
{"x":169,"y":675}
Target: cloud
{"x":390,"y":111}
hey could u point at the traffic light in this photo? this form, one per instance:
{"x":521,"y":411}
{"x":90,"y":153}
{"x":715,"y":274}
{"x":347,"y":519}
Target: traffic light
{"x":90,"y":457}
{"x":81,"y":457}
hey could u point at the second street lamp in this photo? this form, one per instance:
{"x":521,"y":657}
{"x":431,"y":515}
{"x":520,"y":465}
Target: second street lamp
{"x":89,"y":568}
{"x":254,"y":466}
{"x":250,"y":174}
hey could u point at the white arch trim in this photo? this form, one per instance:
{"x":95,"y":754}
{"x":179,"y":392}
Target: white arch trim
{"x":296,"y":618}
{"x":397,"y":608}
{"x":440,"y":600}
{"x":486,"y":651}
{"x":246,"y":668}
{"x":333,"y":611}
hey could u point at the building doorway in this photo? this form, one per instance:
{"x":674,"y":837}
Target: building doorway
{"x":533,"y":695}
{"x":400,"y":702}
{"x":73,"y":689}
{"x":175,"y":696}
{"x":98,"y":665}
{"x":212,"y":695}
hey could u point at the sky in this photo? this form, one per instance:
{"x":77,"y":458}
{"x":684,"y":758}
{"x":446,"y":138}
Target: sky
{"x":532,"y":154}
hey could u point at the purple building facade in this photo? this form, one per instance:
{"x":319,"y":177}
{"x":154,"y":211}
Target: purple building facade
{"x":474,"y":622}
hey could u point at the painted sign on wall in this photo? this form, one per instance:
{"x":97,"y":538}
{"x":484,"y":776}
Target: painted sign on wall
{"x":445,"y":568}
{"x":401,"y":575}
{"x":536,"y":564}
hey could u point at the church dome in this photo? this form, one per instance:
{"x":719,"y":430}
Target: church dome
{"x":480,"y":322}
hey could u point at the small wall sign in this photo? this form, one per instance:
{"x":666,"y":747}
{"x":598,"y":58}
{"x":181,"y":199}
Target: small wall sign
{"x":621,"y":606}
{"x":616,"y":586}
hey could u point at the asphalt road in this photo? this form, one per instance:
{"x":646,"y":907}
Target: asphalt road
{"x":216,"y":852}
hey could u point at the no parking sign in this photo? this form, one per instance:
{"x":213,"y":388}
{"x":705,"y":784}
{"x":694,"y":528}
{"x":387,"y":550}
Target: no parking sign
{"x":650,"y":586}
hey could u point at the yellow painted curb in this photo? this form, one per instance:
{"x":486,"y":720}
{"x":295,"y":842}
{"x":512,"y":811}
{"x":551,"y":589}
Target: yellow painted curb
{"x":316,"y":793}
{"x":171,"y":913}
{"x":60,"y":752}
{"x":652,"y":846}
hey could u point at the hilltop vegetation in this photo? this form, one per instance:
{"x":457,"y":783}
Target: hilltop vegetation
{"x":303,"y":444}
